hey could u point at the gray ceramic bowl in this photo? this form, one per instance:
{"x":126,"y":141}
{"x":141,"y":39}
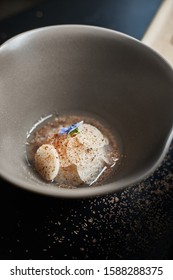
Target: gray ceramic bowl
{"x":71,"y":68}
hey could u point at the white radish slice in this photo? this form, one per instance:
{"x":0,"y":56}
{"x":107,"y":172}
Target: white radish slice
{"x":78,"y":154}
{"x":106,"y":155}
{"x":90,"y":136}
{"x":90,"y":173}
{"x":68,"y":176}
{"x":61,"y":146}
{"x":75,"y":151}
{"x":47,"y":162}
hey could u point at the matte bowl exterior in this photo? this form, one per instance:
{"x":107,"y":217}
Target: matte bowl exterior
{"x":71,"y":68}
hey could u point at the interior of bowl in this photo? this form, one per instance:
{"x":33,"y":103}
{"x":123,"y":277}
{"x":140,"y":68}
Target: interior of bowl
{"x":88,"y":69}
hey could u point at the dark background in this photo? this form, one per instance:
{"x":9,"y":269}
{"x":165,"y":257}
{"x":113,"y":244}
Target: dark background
{"x":135,"y":223}
{"x":129,"y":16}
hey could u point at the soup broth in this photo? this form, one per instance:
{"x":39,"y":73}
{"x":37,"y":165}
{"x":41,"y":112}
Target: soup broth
{"x":72,"y":151}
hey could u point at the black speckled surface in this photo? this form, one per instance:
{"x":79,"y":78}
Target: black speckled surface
{"x":135,"y":223}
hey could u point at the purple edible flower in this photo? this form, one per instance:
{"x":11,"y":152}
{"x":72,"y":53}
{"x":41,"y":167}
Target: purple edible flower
{"x":71,"y":128}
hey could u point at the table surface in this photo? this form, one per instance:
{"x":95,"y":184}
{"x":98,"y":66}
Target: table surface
{"x":159,"y":35}
{"x":135,"y":223}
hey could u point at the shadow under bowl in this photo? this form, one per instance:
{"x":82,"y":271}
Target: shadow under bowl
{"x":100,"y":71}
